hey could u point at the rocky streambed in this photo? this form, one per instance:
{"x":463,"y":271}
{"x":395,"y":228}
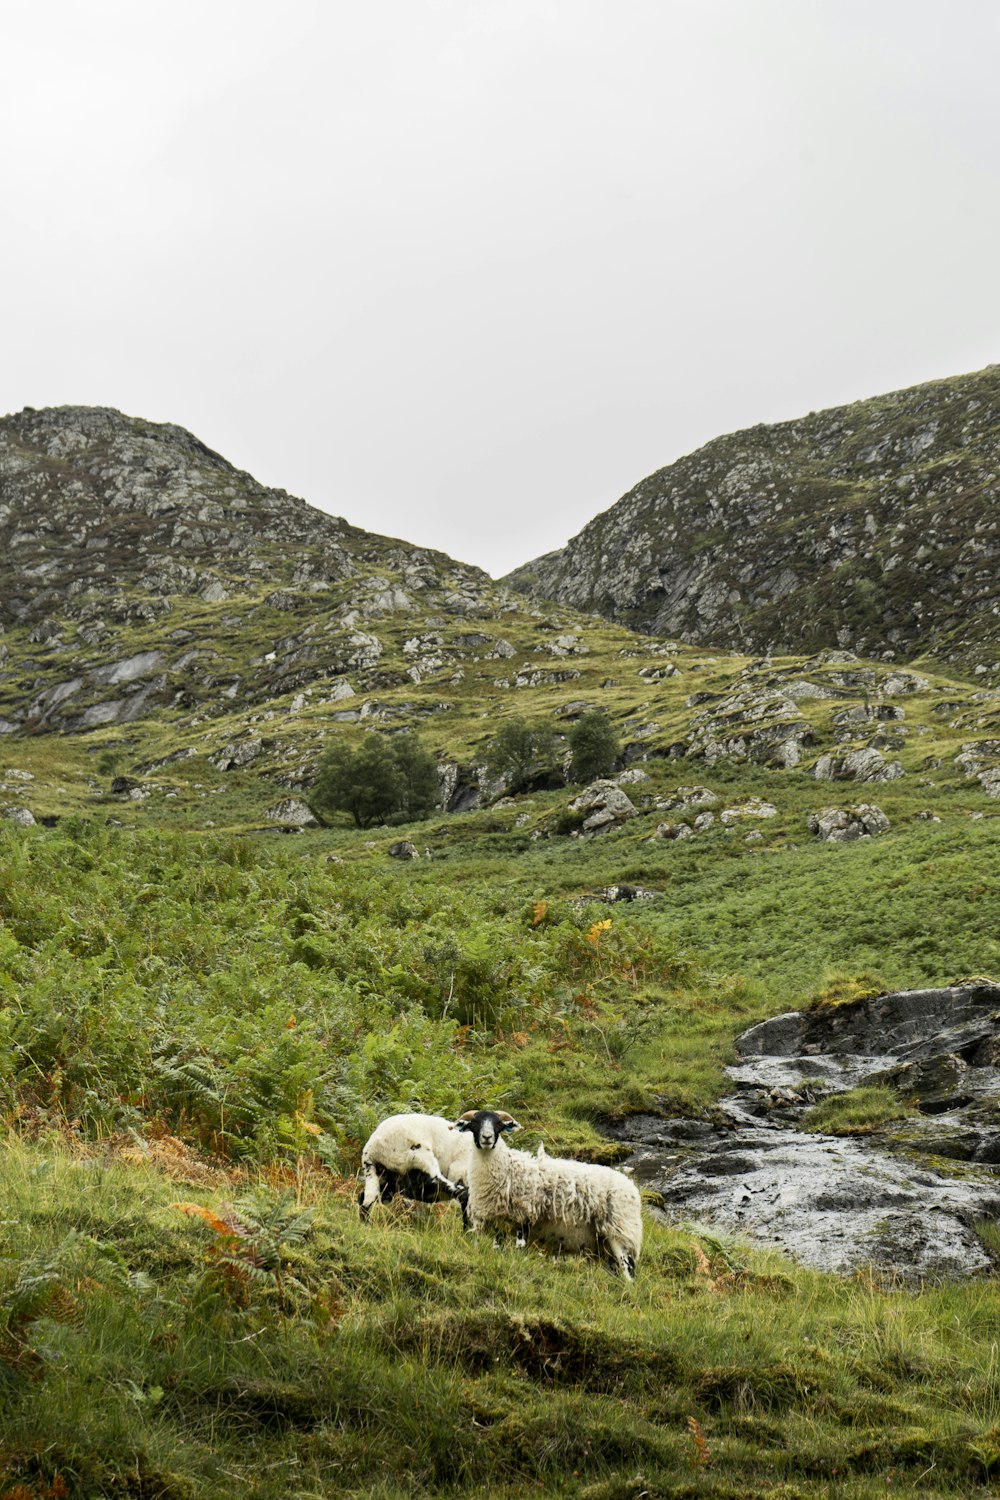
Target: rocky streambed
{"x":906,"y":1199}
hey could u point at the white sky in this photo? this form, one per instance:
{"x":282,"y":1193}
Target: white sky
{"x":463,"y":271}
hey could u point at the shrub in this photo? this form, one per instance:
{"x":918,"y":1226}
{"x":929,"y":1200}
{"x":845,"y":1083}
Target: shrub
{"x":594,"y":747}
{"x":522,"y":750}
{"x":383,"y":778}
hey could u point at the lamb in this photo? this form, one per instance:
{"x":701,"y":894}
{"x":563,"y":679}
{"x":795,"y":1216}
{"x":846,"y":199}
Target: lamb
{"x":417,"y":1156}
{"x":550,"y":1200}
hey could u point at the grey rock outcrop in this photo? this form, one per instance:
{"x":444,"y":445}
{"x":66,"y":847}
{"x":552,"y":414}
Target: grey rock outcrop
{"x":603,"y":805}
{"x":293,"y":812}
{"x":874,"y":526}
{"x":842,"y":825}
{"x":838,"y":1203}
{"x":866,"y":764}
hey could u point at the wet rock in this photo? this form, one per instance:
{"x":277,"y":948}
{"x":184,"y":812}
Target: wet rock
{"x":842,"y":1203}
{"x":842,"y":825}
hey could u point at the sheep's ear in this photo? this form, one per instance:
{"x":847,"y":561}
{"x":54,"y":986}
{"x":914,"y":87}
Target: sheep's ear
{"x":507,"y":1122}
{"x":464,"y":1121}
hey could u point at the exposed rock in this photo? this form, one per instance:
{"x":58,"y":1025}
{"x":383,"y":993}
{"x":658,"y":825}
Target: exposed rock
{"x":842,"y":1204}
{"x":750,"y":724}
{"x":841,"y":825}
{"x":903,"y":682}
{"x":857,"y":765}
{"x":129,"y":670}
{"x":673,"y":831}
{"x":294,"y":812}
{"x":753,"y":807}
{"x":981,"y":759}
{"x":614,"y":893}
{"x":237,"y":754}
{"x":123,"y":785}
{"x":19,"y":815}
{"x":872,"y":524}
{"x":684,"y":798}
{"x":403,"y":849}
{"x":460,"y":787}
{"x":604,"y":805}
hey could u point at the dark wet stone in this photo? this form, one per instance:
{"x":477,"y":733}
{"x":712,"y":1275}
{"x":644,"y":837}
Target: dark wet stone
{"x":834,"y":1202}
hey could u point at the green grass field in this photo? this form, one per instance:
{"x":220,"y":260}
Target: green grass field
{"x":199,"y":1031}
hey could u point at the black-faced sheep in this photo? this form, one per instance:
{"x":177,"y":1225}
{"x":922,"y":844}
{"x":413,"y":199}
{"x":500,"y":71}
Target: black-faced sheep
{"x":416,"y":1156}
{"x":569,"y":1205}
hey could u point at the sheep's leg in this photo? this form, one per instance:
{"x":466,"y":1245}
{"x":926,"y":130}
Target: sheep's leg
{"x":521,"y":1236}
{"x":371,"y":1192}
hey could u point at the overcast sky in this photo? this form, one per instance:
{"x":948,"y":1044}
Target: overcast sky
{"x":463,"y":271}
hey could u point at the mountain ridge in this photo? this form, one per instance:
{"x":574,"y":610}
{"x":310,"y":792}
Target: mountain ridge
{"x":871,"y":526}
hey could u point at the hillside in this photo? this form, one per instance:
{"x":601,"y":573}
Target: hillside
{"x":873,"y":526}
{"x":200,"y":1021}
{"x":190,"y":639}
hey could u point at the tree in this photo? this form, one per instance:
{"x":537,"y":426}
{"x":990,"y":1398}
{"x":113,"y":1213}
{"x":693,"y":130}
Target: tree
{"x":521,"y":750}
{"x":594,"y":746}
{"x":382,"y":778}
{"x":418,"y":770}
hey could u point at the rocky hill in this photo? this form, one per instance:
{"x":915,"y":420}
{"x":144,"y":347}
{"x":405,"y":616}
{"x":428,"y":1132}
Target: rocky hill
{"x":179,"y":643}
{"x":873,"y":526}
{"x":143,"y":571}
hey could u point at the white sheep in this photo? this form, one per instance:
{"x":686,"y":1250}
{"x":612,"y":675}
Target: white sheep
{"x":570,"y":1205}
{"x":417,"y":1156}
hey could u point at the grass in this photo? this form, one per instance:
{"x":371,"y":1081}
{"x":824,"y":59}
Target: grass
{"x":859,"y":1111}
{"x":214,"y":1018}
{"x":406,"y":1358}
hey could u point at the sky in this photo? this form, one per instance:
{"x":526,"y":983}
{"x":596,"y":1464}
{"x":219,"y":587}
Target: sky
{"x":464,"y":271}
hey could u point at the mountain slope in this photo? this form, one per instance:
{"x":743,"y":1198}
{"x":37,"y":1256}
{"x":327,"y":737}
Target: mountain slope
{"x":873,"y":526}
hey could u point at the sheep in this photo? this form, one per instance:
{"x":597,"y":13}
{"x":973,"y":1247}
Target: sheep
{"x":550,"y":1200}
{"x":416,"y":1156}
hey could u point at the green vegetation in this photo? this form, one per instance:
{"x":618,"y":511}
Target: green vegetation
{"x":383,"y":778}
{"x":521,"y":751}
{"x":595,"y":746}
{"x":197,"y":1034}
{"x":857,"y":1112}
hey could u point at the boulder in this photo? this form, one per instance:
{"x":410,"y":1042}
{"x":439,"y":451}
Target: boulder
{"x":857,"y":765}
{"x":404,"y":850}
{"x":841,"y":825}
{"x":292,"y":811}
{"x":237,"y":754}
{"x":604,"y":806}
{"x":19,"y":815}
{"x":753,"y":807}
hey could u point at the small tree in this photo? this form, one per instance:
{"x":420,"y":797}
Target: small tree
{"x":382,"y":778}
{"x":594,"y":746}
{"x":521,"y":750}
{"x":419,"y":774}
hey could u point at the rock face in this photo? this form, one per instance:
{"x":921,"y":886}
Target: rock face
{"x":112,"y":527}
{"x":838,"y":1203}
{"x":872,"y":526}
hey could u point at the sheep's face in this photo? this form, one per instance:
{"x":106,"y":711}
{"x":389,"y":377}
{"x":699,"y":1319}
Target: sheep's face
{"x":486,"y":1126}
